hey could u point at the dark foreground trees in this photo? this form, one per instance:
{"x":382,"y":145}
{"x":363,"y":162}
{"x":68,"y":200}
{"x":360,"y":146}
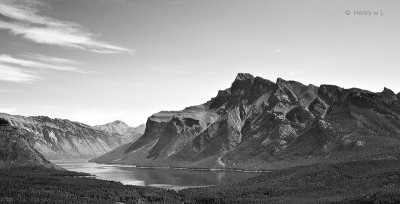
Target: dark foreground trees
{"x":352,"y":182}
{"x":40,"y":185}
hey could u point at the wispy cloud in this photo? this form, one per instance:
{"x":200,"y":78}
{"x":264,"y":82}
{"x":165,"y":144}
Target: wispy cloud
{"x":22,"y":70}
{"x":7,"y":59}
{"x":23,"y":19}
{"x":15,"y":74}
{"x":51,"y":59}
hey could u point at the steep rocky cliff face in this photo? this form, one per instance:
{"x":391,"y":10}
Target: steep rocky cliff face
{"x":56,"y":138}
{"x":16,"y":150}
{"x":123,"y":131}
{"x":259,"y":124}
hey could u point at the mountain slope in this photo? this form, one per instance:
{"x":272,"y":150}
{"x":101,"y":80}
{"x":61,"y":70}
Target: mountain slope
{"x":16,"y":150}
{"x":122,"y":130}
{"x":56,"y":138}
{"x":259,"y":124}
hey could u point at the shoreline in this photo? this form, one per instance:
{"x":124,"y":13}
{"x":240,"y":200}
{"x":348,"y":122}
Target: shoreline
{"x":186,"y":168}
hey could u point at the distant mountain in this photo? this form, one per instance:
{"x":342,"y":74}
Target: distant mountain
{"x":56,"y":138}
{"x":259,"y":124}
{"x":16,"y":149}
{"x":123,"y":131}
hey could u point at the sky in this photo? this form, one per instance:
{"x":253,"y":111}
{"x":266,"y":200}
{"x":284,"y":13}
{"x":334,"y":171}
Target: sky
{"x":96,"y":61}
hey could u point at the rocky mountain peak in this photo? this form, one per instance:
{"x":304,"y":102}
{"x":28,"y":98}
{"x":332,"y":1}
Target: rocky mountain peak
{"x":387,"y":91}
{"x":121,"y":130}
{"x":242,"y":83}
{"x":388,"y":95}
{"x":290,"y":83}
{"x":115,"y":124}
{"x":280,"y":81}
{"x":118,"y":122}
{"x":244,"y":77}
{"x":330,"y":93}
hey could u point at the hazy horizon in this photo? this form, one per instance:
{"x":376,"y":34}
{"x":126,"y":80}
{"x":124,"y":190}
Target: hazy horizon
{"x":96,"y":61}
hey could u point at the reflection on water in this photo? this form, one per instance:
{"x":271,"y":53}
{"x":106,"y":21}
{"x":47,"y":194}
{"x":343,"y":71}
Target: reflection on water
{"x":167,"y":178}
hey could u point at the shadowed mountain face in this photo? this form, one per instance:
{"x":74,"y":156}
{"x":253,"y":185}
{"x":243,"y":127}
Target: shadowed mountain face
{"x":16,"y":150}
{"x":258,"y":124}
{"x":56,"y":138}
{"x":121,"y":130}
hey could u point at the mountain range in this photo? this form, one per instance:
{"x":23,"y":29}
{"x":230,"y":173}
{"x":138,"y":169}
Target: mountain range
{"x":255,"y":124}
{"x":60,"y":138}
{"x":260,"y":124}
{"x":16,"y":150}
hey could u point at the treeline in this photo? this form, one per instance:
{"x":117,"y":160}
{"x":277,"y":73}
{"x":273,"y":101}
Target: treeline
{"x":352,"y":182}
{"x":40,"y":185}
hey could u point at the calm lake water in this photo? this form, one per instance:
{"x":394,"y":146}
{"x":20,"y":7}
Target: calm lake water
{"x":165,"y":178}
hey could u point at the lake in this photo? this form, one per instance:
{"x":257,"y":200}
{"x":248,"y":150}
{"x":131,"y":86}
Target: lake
{"x":164,"y":178}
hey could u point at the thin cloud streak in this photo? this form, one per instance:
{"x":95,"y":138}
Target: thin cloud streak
{"x":7,"y":59}
{"x":15,"y":74}
{"x":14,"y":69}
{"x":26,"y":22}
{"x":50,"y":59}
